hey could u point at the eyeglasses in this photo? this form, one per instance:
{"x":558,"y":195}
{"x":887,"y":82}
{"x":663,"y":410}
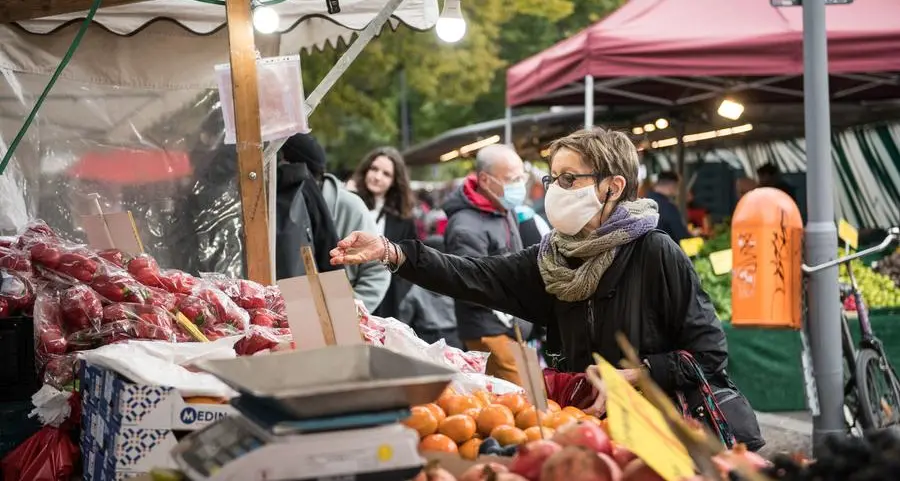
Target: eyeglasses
{"x":566,"y":180}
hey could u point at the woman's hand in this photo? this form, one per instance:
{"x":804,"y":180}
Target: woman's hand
{"x":599,"y":407}
{"x":359,"y":248}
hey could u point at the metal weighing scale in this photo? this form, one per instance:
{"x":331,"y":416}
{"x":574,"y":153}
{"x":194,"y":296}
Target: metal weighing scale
{"x":329,"y":413}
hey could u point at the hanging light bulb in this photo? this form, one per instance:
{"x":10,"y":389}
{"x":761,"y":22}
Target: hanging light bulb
{"x":265,"y":18}
{"x":451,"y":26}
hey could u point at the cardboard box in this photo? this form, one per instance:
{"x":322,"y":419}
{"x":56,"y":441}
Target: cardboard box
{"x":129,"y":429}
{"x":456,"y":465}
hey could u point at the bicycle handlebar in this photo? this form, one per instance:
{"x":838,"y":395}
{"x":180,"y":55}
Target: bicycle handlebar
{"x":893,"y":234}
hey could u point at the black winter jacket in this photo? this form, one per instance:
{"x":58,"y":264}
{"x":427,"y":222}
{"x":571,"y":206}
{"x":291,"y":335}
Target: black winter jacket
{"x":650,"y":292}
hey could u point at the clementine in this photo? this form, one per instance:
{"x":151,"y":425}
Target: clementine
{"x":553,"y":406}
{"x":514,"y":401}
{"x":574,"y":411}
{"x":558,"y":419}
{"x":459,"y":427}
{"x":472,"y":412}
{"x":422,"y":421}
{"x":493,"y":416}
{"x":534,"y":433}
{"x":438,"y":442}
{"x":436,"y":411}
{"x":469,"y":449}
{"x":509,"y":435}
{"x":527,"y":418}
{"x":458,"y":403}
{"x":485,"y":398}
{"x":592,"y":419}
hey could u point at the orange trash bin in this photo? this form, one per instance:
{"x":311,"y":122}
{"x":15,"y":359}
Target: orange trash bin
{"x":766,"y":245}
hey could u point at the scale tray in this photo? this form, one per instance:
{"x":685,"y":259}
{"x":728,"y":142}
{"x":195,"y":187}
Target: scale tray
{"x":334,"y":380}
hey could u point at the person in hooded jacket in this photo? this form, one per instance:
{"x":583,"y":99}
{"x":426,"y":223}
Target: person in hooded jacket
{"x":604,"y":270}
{"x":348,"y":213}
{"x":481,"y":221}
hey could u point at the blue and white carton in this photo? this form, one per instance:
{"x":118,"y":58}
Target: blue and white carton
{"x":129,"y":429}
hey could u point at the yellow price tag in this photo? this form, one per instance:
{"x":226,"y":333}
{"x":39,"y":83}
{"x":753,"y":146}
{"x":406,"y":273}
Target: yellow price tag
{"x":721,"y":262}
{"x":640,"y":427}
{"x":692,"y":246}
{"x":848,"y":234}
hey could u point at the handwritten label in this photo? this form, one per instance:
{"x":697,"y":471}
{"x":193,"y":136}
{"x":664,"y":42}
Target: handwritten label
{"x":848,"y":234}
{"x":640,"y":427}
{"x":529,"y":367}
{"x":721,"y":262}
{"x":692,"y":246}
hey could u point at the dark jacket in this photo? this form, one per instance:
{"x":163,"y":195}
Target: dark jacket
{"x":477,"y":229}
{"x":396,"y":229}
{"x":650,"y":292}
{"x":670,"y":219}
{"x":302,"y":219}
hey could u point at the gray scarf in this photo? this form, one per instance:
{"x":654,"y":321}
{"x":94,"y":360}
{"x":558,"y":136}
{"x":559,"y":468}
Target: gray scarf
{"x":628,"y":221}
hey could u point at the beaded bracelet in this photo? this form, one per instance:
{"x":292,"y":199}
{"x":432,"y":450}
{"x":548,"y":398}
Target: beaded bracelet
{"x":385,"y":257}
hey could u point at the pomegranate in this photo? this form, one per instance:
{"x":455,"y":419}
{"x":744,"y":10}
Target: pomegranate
{"x":483,"y":472}
{"x":638,"y":470}
{"x":727,"y":461}
{"x":434,"y":472}
{"x":622,"y":455}
{"x":584,"y":434}
{"x":577,"y":463}
{"x":531,"y":457}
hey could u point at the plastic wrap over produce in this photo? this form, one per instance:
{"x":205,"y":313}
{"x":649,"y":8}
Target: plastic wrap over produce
{"x":143,"y":130}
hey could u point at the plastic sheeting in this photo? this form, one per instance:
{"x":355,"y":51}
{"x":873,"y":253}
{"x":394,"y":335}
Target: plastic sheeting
{"x":144,"y":134}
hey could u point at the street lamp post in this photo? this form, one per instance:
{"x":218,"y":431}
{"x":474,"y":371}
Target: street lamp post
{"x":821,"y":235}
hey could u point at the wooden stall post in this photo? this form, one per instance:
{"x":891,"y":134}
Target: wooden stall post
{"x":249,"y":141}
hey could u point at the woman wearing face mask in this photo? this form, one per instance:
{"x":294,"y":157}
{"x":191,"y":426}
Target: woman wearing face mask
{"x":382,"y":182}
{"x":603,"y":269}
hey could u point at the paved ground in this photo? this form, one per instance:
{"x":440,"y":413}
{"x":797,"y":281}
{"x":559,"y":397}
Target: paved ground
{"x":789,"y":432}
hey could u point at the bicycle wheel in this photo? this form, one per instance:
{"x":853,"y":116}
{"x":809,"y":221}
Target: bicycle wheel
{"x":878,"y":390}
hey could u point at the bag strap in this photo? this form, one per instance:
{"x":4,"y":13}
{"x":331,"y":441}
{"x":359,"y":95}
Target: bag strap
{"x":717,"y":420}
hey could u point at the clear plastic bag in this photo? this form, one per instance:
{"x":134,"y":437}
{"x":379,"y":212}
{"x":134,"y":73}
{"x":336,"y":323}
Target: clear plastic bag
{"x":259,"y":339}
{"x":146,"y":271}
{"x":16,"y":293}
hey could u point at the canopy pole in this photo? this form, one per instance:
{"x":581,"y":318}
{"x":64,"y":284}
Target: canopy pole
{"x":821,"y":235}
{"x":682,"y":170}
{"x":249,"y":143}
{"x":507,"y":128}
{"x":589,"y":101}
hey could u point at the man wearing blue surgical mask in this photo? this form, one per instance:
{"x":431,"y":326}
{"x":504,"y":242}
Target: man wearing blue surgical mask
{"x":481,"y":221}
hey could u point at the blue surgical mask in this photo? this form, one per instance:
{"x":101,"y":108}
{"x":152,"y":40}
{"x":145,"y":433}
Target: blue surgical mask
{"x":513,"y":195}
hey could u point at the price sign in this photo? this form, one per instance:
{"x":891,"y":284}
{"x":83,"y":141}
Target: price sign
{"x":532,"y":375}
{"x":692,"y":246}
{"x":640,"y":427}
{"x":848,"y":234}
{"x":721,"y":262}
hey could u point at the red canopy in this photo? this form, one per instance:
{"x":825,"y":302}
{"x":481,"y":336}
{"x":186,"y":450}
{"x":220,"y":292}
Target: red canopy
{"x":696,"y":38}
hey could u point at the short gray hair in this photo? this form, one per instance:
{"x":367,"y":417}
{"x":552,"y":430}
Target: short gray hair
{"x":488,"y":156}
{"x":607,"y":152}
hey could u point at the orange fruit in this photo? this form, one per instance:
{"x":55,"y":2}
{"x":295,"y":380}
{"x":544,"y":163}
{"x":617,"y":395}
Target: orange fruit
{"x":493,"y":416}
{"x":459,"y":427}
{"x":558,"y":420}
{"x":574,"y":411}
{"x":485,"y":397}
{"x":534,"y":433}
{"x":553,"y":406}
{"x":509,"y":435}
{"x":438,"y":442}
{"x":527,"y":418}
{"x":592,"y":419}
{"x":456,"y":404}
{"x":436,"y":411}
{"x":472,"y":412}
{"x":469,"y":449}
{"x":422,"y":421}
{"x":514,"y":401}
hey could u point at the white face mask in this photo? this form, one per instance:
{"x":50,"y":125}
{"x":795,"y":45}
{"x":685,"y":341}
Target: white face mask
{"x":570,"y":210}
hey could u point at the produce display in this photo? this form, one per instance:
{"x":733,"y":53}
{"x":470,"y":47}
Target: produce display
{"x":717,"y":287}
{"x":82,"y":298}
{"x":878,"y":290}
{"x":889,"y":266}
{"x":565,"y":445}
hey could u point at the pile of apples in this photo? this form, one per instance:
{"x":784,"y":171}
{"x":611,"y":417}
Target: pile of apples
{"x":565,"y":446}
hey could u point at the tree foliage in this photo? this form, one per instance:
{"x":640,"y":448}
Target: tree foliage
{"x":448,"y":86}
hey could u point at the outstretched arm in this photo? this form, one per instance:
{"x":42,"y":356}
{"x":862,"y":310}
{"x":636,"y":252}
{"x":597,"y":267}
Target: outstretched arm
{"x":509,"y":283}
